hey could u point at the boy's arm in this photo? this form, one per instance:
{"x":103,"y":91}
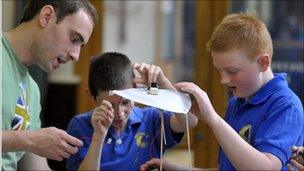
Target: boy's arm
{"x":178,"y":121}
{"x":241,"y":154}
{"x":154,"y":163}
{"x":153,"y":73}
{"x":92,"y":159}
{"x":101,"y":120}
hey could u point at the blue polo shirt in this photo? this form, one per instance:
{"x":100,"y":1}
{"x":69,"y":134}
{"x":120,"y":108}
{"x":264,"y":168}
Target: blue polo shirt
{"x":140,"y":141}
{"x":271,"y":121}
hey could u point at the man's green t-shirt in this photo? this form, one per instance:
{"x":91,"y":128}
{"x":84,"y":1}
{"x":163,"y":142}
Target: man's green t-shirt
{"x":20,"y":100}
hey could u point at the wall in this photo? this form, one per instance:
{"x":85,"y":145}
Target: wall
{"x":8,"y":15}
{"x":138,"y":29}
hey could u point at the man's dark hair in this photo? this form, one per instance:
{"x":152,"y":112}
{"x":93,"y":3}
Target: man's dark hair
{"x":62,"y":8}
{"x":109,"y":71}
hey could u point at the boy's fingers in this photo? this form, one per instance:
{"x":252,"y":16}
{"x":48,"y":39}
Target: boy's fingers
{"x":143,"y":66}
{"x":156,"y":73}
{"x":135,"y":65}
{"x":138,"y":80}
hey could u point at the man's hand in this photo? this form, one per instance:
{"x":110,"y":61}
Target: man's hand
{"x":154,"y":163}
{"x":52,"y":143}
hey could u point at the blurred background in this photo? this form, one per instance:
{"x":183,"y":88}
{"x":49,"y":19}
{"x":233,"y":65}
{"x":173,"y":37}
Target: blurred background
{"x":173,"y":35}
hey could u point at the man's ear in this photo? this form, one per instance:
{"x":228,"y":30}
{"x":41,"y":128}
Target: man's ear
{"x":264,"y":62}
{"x":46,"y":15}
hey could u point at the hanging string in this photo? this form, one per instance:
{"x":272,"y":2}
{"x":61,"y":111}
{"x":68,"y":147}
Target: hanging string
{"x":188,"y":143}
{"x":91,"y":139}
{"x":161,"y":139}
{"x":153,"y":139}
{"x":137,"y":151}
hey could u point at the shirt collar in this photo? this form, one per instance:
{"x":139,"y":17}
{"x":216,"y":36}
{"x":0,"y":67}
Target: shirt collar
{"x":276,"y":83}
{"x":135,"y":117}
{"x":133,"y":120}
{"x":21,"y":67}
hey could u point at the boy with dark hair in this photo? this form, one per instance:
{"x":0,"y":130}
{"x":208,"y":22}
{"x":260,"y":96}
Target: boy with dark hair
{"x":51,"y":33}
{"x":116,"y":134}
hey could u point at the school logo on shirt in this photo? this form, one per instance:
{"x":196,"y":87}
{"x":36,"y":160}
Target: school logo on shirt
{"x":141,"y":140}
{"x":21,"y":120}
{"x":245,"y":132}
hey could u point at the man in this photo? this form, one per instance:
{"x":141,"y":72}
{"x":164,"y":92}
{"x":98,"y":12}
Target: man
{"x":51,"y":33}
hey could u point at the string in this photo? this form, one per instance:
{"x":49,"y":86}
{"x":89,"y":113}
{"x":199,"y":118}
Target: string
{"x":188,"y":142}
{"x":91,"y":139}
{"x":137,"y":151}
{"x":153,"y":139}
{"x":161,"y":140}
{"x":119,"y":134}
{"x":150,"y":151}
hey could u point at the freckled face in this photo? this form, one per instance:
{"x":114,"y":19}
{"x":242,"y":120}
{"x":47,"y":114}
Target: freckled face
{"x":238,"y":72}
{"x":122,"y":108}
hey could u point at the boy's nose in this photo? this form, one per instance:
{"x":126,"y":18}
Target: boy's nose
{"x":119,"y":111}
{"x":225,"y":79}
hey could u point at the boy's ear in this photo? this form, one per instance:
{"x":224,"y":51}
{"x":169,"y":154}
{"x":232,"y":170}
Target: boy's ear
{"x":47,"y":13}
{"x":264,"y":62}
{"x":90,"y":94}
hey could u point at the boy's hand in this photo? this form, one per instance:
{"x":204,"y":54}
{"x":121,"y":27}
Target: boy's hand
{"x":149,"y":74}
{"x":201,"y":105}
{"x":297,"y":160}
{"x":102,"y":118}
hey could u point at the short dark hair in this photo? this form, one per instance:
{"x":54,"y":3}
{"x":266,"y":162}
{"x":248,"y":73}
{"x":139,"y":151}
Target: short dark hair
{"x":109,"y":71}
{"x":62,"y":8}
